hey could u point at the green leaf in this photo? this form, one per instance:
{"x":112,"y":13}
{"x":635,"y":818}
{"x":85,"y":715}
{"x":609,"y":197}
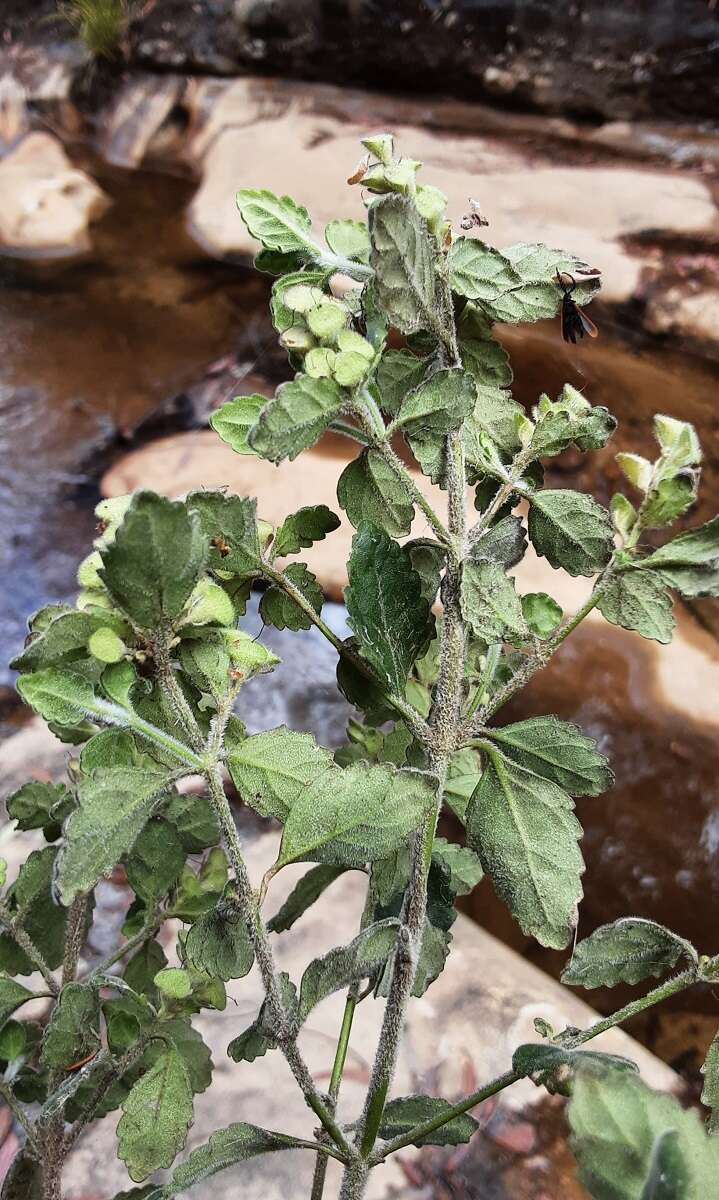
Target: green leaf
{"x":140,"y":972}
{"x":397,"y":373}
{"x":571,"y":530}
{"x":303,"y":895}
{"x":192,"y":1050}
{"x":229,"y":525}
{"x":363,"y":958}
{"x":64,"y":640}
{"x":294,"y":295}
{"x":302,"y":528}
{"x":484,"y":358}
{"x":432,"y":956}
{"x":670,"y":499}
{"x":272,"y":768}
{"x":228,"y":1146}
{"x":690,"y":562}
{"x":625,"y":951}
{"x":427,"y":559}
{"x":616,"y":1124}
{"x":710,"y":1091}
{"x":554,"y":1068}
{"x":385,"y":605}
{"x":403,"y":258}
{"x":479,"y":271}
{"x":490,"y":603}
{"x":536,"y":262}
{"x":257,"y":1039}
{"x":524,"y":830}
{"x":12,"y":995}
{"x":114,"y":804}
{"x":278,"y":222}
{"x":234,"y":420}
{"x":370,"y":493}
{"x":299,"y":414}
{"x":463,"y":865}
{"x":218,"y":942}
{"x":494,"y":416}
{"x":73,"y":1031}
{"x":173,"y":982}
{"x":156,"y":860}
{"x":39,"y":805}
{"x":194,"y":819}
{"x":558,"y":751}
{"x":542,"y":614}
{"x":349,"y":239}
{"x":23,"y":1180}
{"x":355,"y":815}
{"x":639,"y":600}
{"x":156,"y":1117}
{"x":405,"y":1112}
{"x":280,"y":610}
{"x":155,"y":560}
{"x":438,"y":405}
{"x":505,"y":542}
{"x":32,"y":903}
{"x":60,"y":696}
{"x":463,"y":775}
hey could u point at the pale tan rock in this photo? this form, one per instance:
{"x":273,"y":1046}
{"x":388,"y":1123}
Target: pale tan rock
{"x":137,"y":114}
{"x":47,"y":203}
{"x":254,"y":135}
{"x":685,"y":312}
{"x":14,"y":116}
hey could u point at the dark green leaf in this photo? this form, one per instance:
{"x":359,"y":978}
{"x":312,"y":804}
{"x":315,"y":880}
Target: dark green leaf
{"x":710,"y":1091}
{"x":505,"y":542}
{"x":438,"y":405}
{"x":155,"y":560}
{"x":23,"y":1180}
{"x":403,"y":1114}
{"x":228,"y":1146}
{"x":39,"y":805}
{"x":398,"y":372}
{"x":556,"y":750}
{"x":463,"y":865}
{"x":695,"y":548}
{"x":432,"y":957}
{"x":482,"y":356}
{"x":64,"y":640}
{"x":218,"y":942}
{"x":302,"y":528}
{"x":299,"y":414}
{"x":463,"y":775}
{"x":32,"y":903}
{"x":280,"y":610}
{"x":490,"y":603}
{"x":639,"y":600}
{"x":192,"y":1050}
{"x":74,"y":1028}
{"x":271,"y":769}
{"x":524,"y":830}
{"x":194,"y":819}
{"x":156,"y":860}
{"x":140,"y":972}
{"x":229,"y":526}
{"x":257,"y":1039}
{"x":386,"y":608}
{"x":554,"y":1068}
{"x":571,"y":530}
{"x":363,"y":958}
{"x":494,"y":416}
{"x":370,"y":492}
{"x":156,"y":1117}
{"x":12,"y":995}
{"x":625,"y":951}
{"x":303,"y":895}
{"x":403,"y":258}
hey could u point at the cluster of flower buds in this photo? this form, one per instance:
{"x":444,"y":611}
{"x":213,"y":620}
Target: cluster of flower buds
{"x":380,"y":173}
{"x":320,"y":333}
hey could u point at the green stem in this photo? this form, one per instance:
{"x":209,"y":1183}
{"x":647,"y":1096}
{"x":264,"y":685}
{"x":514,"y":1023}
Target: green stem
{"x":148,"y":931}
{"x":350,"y":431}
{"x":14,"y":928}
{"x":569,"y":1041}
{"x":18,"y":1111}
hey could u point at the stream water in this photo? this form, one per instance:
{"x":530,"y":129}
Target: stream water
{"x":87,"y":351}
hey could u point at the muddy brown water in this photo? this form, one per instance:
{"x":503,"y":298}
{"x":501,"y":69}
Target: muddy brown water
{"x":87,"y":351}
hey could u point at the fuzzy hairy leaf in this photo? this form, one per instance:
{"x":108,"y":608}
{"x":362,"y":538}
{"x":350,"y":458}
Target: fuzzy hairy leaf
{"x":299,"y":414}
{"x":571,"y":530}
{"x":710,"y":1090}
{"x":193,"y":1051}
{"x":194,"y":819}
{"x":218,"y":942}
{"x":641,"y":601}
{"x":156,"y":1117}
{"x":114,"y":804}
{"x":398,"y":372}
{"x":12,"y":995}
{"x":438,"y":405}
{"x":280,"y":610}
{"x":229,"y":525}
{"x":348,"y":239}
{"x":485,"y":359}
{"x":490,"y":603}
{"x":361,"y":959}
{"x":505,"y":542}
{"x":554,"y":1068}
{"x":302,"y":528}
{"x":463,"y":865}
{"x":616,"y":1124}
{"x":525,"y":832}
{"x":385,"y":605}
{"x":405,"y":1112}
{"x":257,"y":1039}
{"x":670,"y":499}
{"x":433,"y":954}
{"x":624,"y":951}
{"x":64,"y":640}
{"x":73,"y":1031}
{"x":234,"y":420}
{"x":354,"y":815}
{"x":370,"y":493}
{"x":556,"y":750}
{"x":542,"y":614}
{"x":155,"y":861}
{"x":479,"y":271}
{"x":690,"y":562}
{"x":494,"y":416}
{"x":463,"y":775}
{"x":272,"y":768}
{"x":155,"y":560}
{"x":59,"y":695}
{"x":403,"y":257}
{"x":303,"y":895}
{"x":278,"y":222}
{"x":32,"y":902}
{"x":228,"y":1146}
{"x":39,"y":805}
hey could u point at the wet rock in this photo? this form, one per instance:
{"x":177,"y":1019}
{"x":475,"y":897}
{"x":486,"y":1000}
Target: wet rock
{"x":48,"y":204}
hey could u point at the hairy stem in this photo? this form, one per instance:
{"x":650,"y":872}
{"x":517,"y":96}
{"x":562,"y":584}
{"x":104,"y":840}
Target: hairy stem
{"x":12,"y":923}
{"x":283,"y":1032}
{"x":570,"y":1041}
{"x":175,"y":695}
{"x":143,"y":935}
{"x":18,"y":1111}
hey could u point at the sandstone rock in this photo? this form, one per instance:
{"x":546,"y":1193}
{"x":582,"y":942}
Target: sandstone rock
{"x":254,"y":134}
{"x":684,"y":311}
{"x":47,"y":203}
{"x":137,"y":114}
